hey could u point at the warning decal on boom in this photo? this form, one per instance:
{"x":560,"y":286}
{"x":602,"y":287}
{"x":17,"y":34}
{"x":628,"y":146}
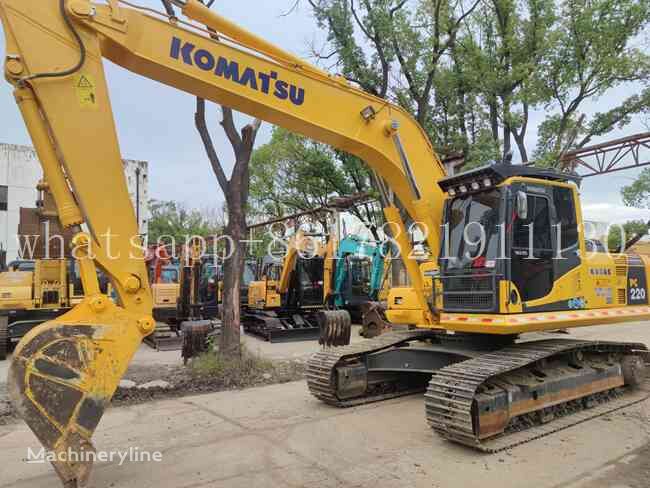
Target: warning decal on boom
{"x":85,"y":87}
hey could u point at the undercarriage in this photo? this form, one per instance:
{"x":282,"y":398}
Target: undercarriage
{"x":281,"y":327}
{"x":164,"y":338}
{"x":486,"y":392}
{"x":330,"y":327}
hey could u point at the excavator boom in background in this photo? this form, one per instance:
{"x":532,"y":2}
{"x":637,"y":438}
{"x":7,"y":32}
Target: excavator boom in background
{"x":485,"y":384}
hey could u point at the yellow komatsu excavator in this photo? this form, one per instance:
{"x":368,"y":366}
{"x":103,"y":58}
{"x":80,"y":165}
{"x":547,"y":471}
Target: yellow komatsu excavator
{"x":487,"y":391}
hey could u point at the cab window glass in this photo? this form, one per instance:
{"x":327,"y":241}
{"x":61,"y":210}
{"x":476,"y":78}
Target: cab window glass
{"x":169,"y":276}
{"x":566,"y":213}
{"x":539,"y":219}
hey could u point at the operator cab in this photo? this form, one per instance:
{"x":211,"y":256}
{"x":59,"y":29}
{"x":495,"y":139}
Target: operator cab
{"x":504,"y":229}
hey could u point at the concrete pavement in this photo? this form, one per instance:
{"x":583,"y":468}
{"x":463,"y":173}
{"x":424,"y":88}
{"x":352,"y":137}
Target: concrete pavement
{"x":280,"y":436}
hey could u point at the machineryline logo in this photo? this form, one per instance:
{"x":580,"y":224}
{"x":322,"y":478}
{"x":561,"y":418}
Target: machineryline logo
{"x":131,"y":455}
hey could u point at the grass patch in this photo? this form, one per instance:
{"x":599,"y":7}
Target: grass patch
{"x":246,"y":369}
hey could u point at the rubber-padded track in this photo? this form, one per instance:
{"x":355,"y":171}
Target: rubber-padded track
{"x":451,"y":392}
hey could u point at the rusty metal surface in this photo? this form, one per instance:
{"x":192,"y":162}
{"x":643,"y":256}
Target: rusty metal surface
{"x":374,"y":321}
{"x":195,"y":338}
{"x":335,"y":328}
{"x":616,"y":155}
{"x":45,"y":384}
{"x":452,"y":392}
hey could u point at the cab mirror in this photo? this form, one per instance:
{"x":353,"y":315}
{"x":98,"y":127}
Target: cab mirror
{"x":522,"y":205}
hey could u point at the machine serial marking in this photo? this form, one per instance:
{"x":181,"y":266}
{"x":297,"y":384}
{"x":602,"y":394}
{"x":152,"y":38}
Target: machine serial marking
{"x":267,"y":83}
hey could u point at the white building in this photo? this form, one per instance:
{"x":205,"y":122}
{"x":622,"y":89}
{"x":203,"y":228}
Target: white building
{"x":20,"y":172}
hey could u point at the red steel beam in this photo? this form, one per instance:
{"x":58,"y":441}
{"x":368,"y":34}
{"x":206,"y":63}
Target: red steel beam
{"x":617,"y":155}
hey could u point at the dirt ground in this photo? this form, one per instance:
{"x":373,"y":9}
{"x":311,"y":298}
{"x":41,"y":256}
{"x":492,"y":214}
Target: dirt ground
{"x":288,"y":364}
{"x":279,"y":435}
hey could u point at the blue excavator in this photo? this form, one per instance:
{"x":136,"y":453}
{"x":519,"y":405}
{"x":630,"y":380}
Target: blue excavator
{"x":359,"y":277}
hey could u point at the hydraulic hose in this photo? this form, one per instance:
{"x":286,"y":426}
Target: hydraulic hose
{"x":82,"y":50}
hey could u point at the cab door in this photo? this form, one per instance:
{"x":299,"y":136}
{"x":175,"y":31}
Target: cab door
{"x":532,"y":249}
{"x":546,"y":250}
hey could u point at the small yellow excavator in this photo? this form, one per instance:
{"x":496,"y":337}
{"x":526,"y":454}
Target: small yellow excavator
{"x":290,"y":301}
{"x":165,"y":290}
{"x":484,"y":387}
{"x":30,"y":298}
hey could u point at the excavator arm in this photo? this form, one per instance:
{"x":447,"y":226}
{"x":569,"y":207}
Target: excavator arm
{"x":64,"y":373}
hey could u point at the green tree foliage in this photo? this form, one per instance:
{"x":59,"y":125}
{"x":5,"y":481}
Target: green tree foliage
{"x":500,"y":53}
{"x":638,"y":193}
{"x":293,"y":174}
{"x":593,"y":52}
{"x":400,"y":50}
{"x":618,"y":235}
{"x":173,"y":219}
{"x":471,"y":72}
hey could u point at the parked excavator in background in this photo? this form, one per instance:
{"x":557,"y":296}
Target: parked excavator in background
{"x":469,"y":302}
{"x":39,"y":288}
{"x":212,"y":280}
{"x":311,"y":292}
{"x":358,"y":274}
{"x":165,"y":289}
{"x":183,"y":294}
{"x":290,"y":300}
{"x":30,"y":298}
{"x":196,"y":313}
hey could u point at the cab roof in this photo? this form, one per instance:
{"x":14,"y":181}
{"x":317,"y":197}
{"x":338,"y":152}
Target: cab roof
{"x":497,"y":173}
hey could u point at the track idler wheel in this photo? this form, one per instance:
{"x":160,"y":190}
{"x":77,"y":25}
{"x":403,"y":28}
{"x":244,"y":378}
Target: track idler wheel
{"x":64,"y":373}
{"x":335,"y":328}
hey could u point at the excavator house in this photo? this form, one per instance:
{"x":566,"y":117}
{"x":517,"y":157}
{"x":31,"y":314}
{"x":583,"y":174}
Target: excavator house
{"x":513,"y":260}
{"x":508,"y":253}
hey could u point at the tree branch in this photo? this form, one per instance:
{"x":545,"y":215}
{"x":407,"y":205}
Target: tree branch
{"x":201,"y":126}
{"x":228,"y":124}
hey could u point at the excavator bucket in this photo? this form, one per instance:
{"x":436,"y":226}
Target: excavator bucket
{"x":335,"y":328}
{"x":63,"y":375}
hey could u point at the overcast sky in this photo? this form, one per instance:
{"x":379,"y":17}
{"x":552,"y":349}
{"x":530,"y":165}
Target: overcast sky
{"x":155,"y":122}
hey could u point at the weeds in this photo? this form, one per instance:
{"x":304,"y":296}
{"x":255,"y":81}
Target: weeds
{"x":246,"y":369}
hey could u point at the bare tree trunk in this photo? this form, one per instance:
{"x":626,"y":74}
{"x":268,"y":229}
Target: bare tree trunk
{"x":520,"y":136}
{"x":233,"y":269}
{"x":494,"y":120}
{"x":521,"y":145}
{"x":236,"y":190}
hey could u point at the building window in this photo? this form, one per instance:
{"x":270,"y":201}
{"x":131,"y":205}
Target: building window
{"x":4,"y":198}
